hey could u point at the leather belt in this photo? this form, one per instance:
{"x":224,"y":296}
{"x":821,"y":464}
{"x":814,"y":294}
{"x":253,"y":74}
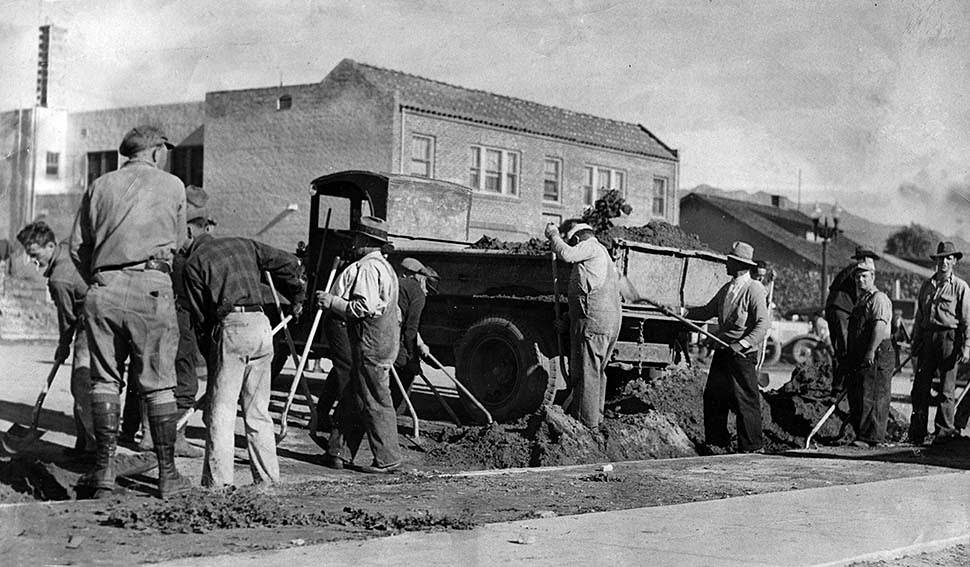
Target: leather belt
{"x":153,"y":265}
{"x":247,"y":308}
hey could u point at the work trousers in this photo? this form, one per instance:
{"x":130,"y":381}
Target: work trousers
{"x":338,"y":347}
{"x":366,"y":408}
{"x":131,"y":314}
{"x":81,"y":390}
{"x":838,"y":321}
{"x":590,"y":352}
{"x":732,"y":385}
{"x":937,"y":356}
{"x":869,"y":391}
{"x":239,"y":373}
{"x":186,"y":362}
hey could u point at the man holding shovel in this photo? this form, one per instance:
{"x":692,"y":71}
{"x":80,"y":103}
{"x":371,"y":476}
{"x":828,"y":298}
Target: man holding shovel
{"x":741,"y":309}
{"x":222,"y":282}
{"x":940,"y":343}
{"x":67,"y":289}
{"x":594,"y":315}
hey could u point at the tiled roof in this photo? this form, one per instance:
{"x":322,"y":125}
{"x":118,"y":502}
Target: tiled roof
{"x":435,"y":97}
{"x":762,"y":218}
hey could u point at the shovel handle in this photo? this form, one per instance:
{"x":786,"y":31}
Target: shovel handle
{"x":407,"y":401}
{"x":289,"y":341}
{"x":35,"y":414}
{"x":663,"y":308}
{"x":461,"y":387}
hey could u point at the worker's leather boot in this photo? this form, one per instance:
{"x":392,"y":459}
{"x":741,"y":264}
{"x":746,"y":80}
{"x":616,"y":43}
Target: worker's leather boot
{"x":102,"y":478}
{"x":146,"y":443}
{"x":185,"y":449}
{"x":170,"y":482}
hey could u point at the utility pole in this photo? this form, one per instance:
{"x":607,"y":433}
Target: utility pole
{"x":799,"y":188}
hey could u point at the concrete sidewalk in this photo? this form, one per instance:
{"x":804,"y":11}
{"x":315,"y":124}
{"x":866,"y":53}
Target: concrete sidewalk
{"x":821,"y":526}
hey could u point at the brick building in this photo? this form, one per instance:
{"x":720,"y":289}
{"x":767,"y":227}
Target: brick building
{"x":256,"y":151}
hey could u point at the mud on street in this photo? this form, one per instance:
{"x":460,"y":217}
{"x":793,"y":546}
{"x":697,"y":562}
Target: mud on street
{"x":454,"y":478}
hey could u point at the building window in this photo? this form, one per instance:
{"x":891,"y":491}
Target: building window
{"x":100,"y":163}
{"x":659,"y":196}
{"x":53,"y":163}
{"x":185,"y":162}
{"x":552,"y":179}
{"x":422,"y":156}
{"x":494,"y":171}
{"x":284,"y":102}
{"x":597,"y":180}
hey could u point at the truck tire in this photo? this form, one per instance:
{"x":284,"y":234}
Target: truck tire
{"x":801,"y":350}
{"x":772,"y":352}
{"x":500,"y":362}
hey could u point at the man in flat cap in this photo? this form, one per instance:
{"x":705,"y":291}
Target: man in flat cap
{"x":366,"y":297}
{"x":223,"y":284}
{"x":594,"y":315}
{"x":128,"y":227}
{"x":411,"y":299}
{"x":940,"y":343}
{"x":741,"y":308}
{"x":870,"y":358}
{"x":838,"y":307}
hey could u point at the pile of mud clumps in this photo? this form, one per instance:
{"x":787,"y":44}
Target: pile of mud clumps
{"x":657,"y":418}
{"x":203,"y":511}
{"x":656,"y":232}
{"x":532,"y":246}
{"x":25,"y":479}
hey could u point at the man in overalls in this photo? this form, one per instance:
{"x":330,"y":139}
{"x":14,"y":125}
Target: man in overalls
{"x":871,"y":357}
{"x":366,"y":296}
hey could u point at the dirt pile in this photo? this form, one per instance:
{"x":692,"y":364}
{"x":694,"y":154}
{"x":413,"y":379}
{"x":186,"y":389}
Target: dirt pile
{"x":202,"y":511}
{"x":26,"y":478}
{"x":533,"y":246}
{"x":656,"y":232}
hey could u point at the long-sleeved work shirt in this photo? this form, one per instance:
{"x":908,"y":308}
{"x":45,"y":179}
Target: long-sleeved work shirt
{"x":129,"y":216}
{"x":369,"y":287}
{"x":842,"y":292}
{"x":741,"y":310}
{"x":593,"y":290}
{"x":67,"y":289}
{"x":943,"y":303}
{"x":221,"y":273}
{"x":411,"y":299}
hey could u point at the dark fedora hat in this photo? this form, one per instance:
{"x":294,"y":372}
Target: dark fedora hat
{"x":946,"y":248}
{"x":864,"y":252}
{"x":373,"y":227}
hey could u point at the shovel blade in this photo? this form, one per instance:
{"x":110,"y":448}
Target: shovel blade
{"x":19,"y":437}
{"x":763,"y":379}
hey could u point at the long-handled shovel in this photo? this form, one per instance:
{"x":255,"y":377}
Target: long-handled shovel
{"x":461,"y":387}
{"x":296,"y":359}
{"x":20,"y":437}
{"x":407,"y":401}
{"x":303,"y":360}
{"x":828,"y":413}
{"x":556,"y":310}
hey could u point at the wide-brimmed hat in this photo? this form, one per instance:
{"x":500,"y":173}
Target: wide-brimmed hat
{"x":576,"y":228}
{"x":143,"y":137}
{"x":946,"y":248}
{"x":866,"y":264}
{"x":373,"y":227}
{"x":742,"y":252}
{"x":195,"y":204}
{"x":864,"y":252}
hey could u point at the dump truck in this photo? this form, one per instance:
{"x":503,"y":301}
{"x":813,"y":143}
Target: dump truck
{"x":493,"y":316}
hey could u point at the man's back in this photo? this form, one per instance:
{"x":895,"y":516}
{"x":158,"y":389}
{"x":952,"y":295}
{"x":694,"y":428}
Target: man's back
{"x":130,"y":215}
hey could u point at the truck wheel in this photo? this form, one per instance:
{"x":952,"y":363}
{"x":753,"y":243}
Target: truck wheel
{"x":772,"y":352}
{"x":499,"y":361}
{"x":801,"y":350}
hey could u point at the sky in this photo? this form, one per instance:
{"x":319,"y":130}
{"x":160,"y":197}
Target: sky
{"x":868,"y":100}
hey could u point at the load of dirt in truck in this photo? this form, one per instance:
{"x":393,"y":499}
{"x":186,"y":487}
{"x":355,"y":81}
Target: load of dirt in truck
{"x":655,"y":232}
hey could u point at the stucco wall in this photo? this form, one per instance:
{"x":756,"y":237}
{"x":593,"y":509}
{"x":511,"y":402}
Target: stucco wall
{"x":520,"y":216}
{"x":259,"y":160}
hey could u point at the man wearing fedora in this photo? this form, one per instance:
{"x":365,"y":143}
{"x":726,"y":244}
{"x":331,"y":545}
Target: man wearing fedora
{"x":594,"y":315}
{"x":870,"y":358}
{"x":940,"y":343}
{"x":129,"y":225}
{"x":838,"y":307}
{"x":223,"y":286}
{"x":366,"y":297}
{"x":741,"y":309}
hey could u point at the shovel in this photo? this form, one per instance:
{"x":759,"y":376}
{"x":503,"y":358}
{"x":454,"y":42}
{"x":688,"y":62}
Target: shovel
{"x":630,"y":290}
{"x":20,"y":437}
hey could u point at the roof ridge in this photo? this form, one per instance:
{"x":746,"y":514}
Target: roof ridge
{"x":490,"y":93}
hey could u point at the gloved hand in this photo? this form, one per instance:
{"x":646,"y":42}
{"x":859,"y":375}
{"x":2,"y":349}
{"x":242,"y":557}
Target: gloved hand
{"x":737,"y":348}
{"x":324,"y":300}
{"x":423,"y":350}
{"x":297,"y":310}
{"x":551,"y":230}
{"x":62,"y":352}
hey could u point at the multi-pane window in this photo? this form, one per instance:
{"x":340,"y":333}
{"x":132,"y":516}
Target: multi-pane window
{"x":422,"y":156}
{"x":53,"y":163}
{"x":100,"y":163}
{"x":284,"y":102}
{"x":659,"y":196}
{"x":552,"y":179}
{"x":597,"y":180}
{"x":185,"y":162}
{"x":494,"y":170}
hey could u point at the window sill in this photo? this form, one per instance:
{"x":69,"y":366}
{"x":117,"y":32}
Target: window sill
{"x":552,"y":205}
{"x":497,"y":197}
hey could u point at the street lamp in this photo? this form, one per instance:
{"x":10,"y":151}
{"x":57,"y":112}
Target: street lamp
{"x":825,"y":232}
